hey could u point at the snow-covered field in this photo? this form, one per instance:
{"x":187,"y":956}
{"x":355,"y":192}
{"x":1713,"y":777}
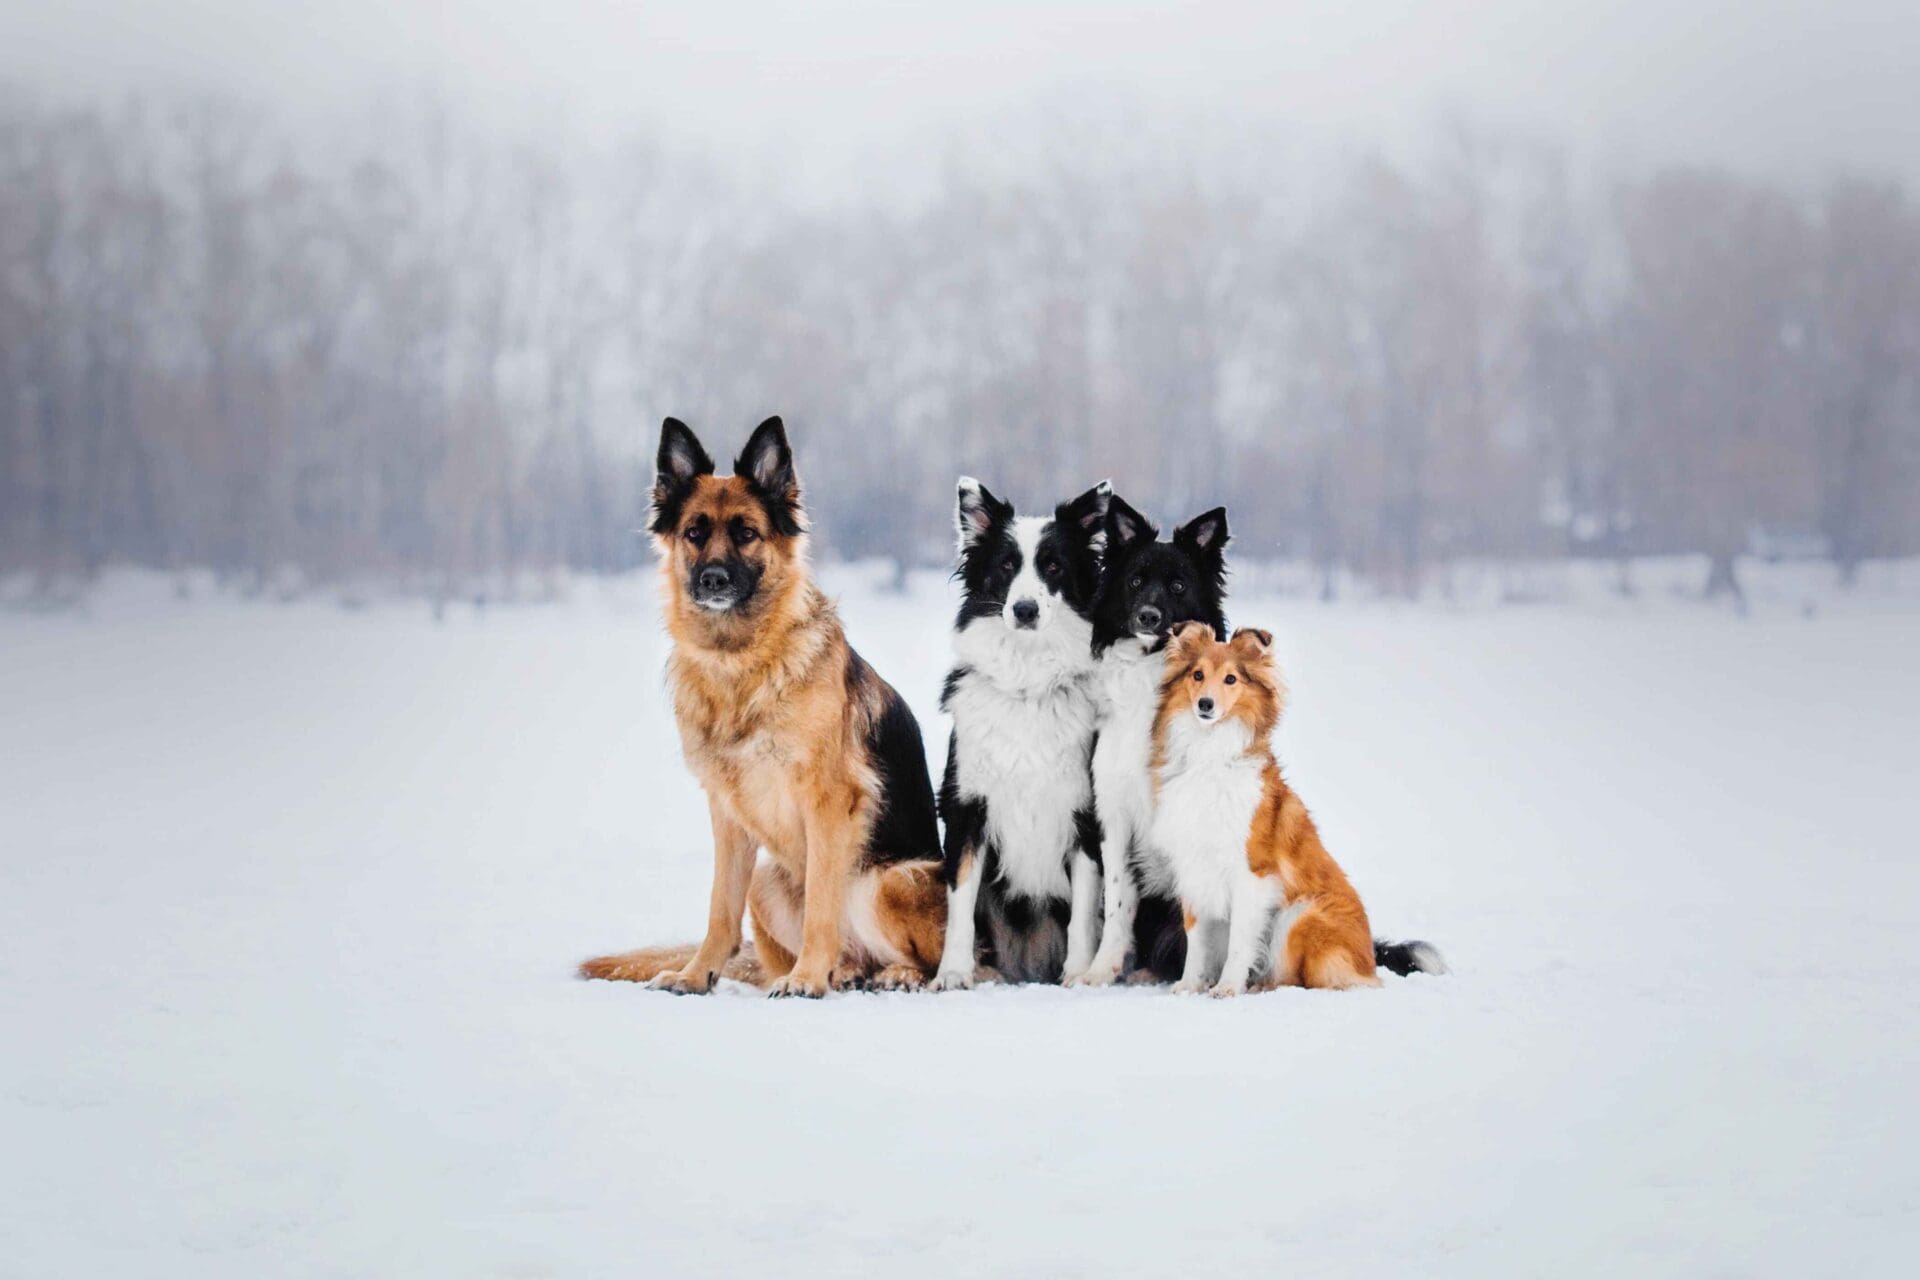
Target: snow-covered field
{"x":290,"y":899}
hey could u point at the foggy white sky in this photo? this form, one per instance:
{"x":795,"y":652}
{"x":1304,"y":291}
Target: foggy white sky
{"x":1793,"y":87}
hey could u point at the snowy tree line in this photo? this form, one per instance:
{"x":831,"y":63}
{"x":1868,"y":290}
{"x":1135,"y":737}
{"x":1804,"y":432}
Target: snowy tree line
{"x":437,"y":355}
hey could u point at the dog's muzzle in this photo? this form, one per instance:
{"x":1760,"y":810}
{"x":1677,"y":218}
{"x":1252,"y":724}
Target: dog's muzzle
{"x":714,"y":587}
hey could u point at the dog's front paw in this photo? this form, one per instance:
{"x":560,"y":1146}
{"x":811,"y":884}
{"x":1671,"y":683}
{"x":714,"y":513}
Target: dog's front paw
{"x":1226,"y":990}
{"x":899,"y":977}
{"x":694,"y":980}
{"x":952,"y":980}
{"x":1098,"y":974}
{"x":798,"y":984}
{"x":1189,"y":987}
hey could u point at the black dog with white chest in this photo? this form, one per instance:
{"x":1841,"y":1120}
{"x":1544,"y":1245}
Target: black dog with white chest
{"x":1147,"y":588}
{"x":1021,"y":851}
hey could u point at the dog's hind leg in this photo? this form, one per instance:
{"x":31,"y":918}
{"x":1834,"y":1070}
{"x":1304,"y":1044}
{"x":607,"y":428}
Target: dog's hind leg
{"x":1326,"y":951}
{"x":909,"y":916}
{"x":774,"y":902}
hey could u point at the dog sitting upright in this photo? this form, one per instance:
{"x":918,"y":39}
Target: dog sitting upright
{"x":1020,"y":854}
{"x":1147,"y":588}
{"x":800,"y":747}
{"x":1241,"y":848}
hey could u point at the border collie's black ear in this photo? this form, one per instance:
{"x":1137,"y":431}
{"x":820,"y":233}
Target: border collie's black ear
{"x":1125,"y":526}
{"x":975,"y":510}
{"x":680,"y":462}
{"x":1206,"y":532}
{"x":767,"y":464}
{"x":1086,"y":515}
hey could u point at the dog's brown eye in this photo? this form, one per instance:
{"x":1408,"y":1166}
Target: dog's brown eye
{"x":1135,"y":584}
{"x":744,"y":535}
{"x":697,"y":534}
{"x":1050,"y":567}
{"x":1232,"y":680}
{"x":1178,"y":588}
{"x":1199,"y":675}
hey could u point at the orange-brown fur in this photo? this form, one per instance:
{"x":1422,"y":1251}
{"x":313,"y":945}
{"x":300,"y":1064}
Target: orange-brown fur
{"x":773,"y":711}
{"x":1331,"y":941}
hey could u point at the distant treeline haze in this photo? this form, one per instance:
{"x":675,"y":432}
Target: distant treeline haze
{"x":432,"y":355}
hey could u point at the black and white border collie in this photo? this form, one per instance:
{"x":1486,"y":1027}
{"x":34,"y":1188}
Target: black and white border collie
{"x":1021,"y":851}
{"x":1147,"y":588}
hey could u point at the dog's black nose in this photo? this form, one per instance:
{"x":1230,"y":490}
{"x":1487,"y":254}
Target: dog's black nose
{"x":1147,"y":618}
{"x":1026,"y":612}
{"x":1205,"y":705}
{"x":715,"y":579}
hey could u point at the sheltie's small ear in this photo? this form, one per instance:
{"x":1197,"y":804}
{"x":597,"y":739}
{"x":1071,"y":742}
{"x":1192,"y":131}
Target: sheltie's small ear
{"x":1190,"y":635}
{"x":1253,"y":640}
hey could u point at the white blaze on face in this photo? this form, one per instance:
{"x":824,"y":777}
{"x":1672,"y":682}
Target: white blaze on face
{"x":1028,"y":585}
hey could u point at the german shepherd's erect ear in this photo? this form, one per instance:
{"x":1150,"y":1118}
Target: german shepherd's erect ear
{"x":680,"y":463}
{"x":767,"y":466}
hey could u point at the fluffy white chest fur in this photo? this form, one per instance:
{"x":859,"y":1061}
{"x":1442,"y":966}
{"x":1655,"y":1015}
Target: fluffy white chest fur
{"x":1209,"y":790}
{"x":1022,"y":717}
{"x":1129,"y":697}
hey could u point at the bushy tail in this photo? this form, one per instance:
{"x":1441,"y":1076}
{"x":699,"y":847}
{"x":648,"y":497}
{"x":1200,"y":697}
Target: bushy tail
{"x":643,"y":965}
{"x":1404,"y":958}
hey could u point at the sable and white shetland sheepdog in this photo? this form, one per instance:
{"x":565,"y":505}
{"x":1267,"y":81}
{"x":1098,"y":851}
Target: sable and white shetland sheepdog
{"x":1147,"y":587}
{"x":1021,"y":860}
{"x":1240,"y":845}
{"x":801,"y":748}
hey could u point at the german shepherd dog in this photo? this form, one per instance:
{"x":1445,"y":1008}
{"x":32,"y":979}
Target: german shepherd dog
{"x":1022,"y":862}
{"x":1147,"y":588}
{"x":801,"y":748}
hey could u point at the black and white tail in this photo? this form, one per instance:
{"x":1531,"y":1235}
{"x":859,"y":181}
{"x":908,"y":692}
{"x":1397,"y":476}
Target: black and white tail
{"x":1404,"y":958}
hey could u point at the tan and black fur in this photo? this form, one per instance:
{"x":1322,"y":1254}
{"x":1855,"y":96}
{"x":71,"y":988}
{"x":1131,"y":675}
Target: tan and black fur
{"x":801,"y":748}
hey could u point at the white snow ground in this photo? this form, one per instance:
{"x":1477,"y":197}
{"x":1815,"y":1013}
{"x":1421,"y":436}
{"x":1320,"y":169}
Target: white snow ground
{"x":290,"y":899}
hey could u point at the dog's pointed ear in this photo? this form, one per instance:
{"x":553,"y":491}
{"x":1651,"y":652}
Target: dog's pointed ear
{"x":1187,"y":637}
{"x":1086,"y":515}
{"x":767,"y":461}
{"x":976,"y":510}
{"x":680,"y":462}
{"x":767,"y":464}
{"x":1206,"y":532}
{"x":1125,"y":526}
{"x":681,"y":456}
{"x":1253,"y":640}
